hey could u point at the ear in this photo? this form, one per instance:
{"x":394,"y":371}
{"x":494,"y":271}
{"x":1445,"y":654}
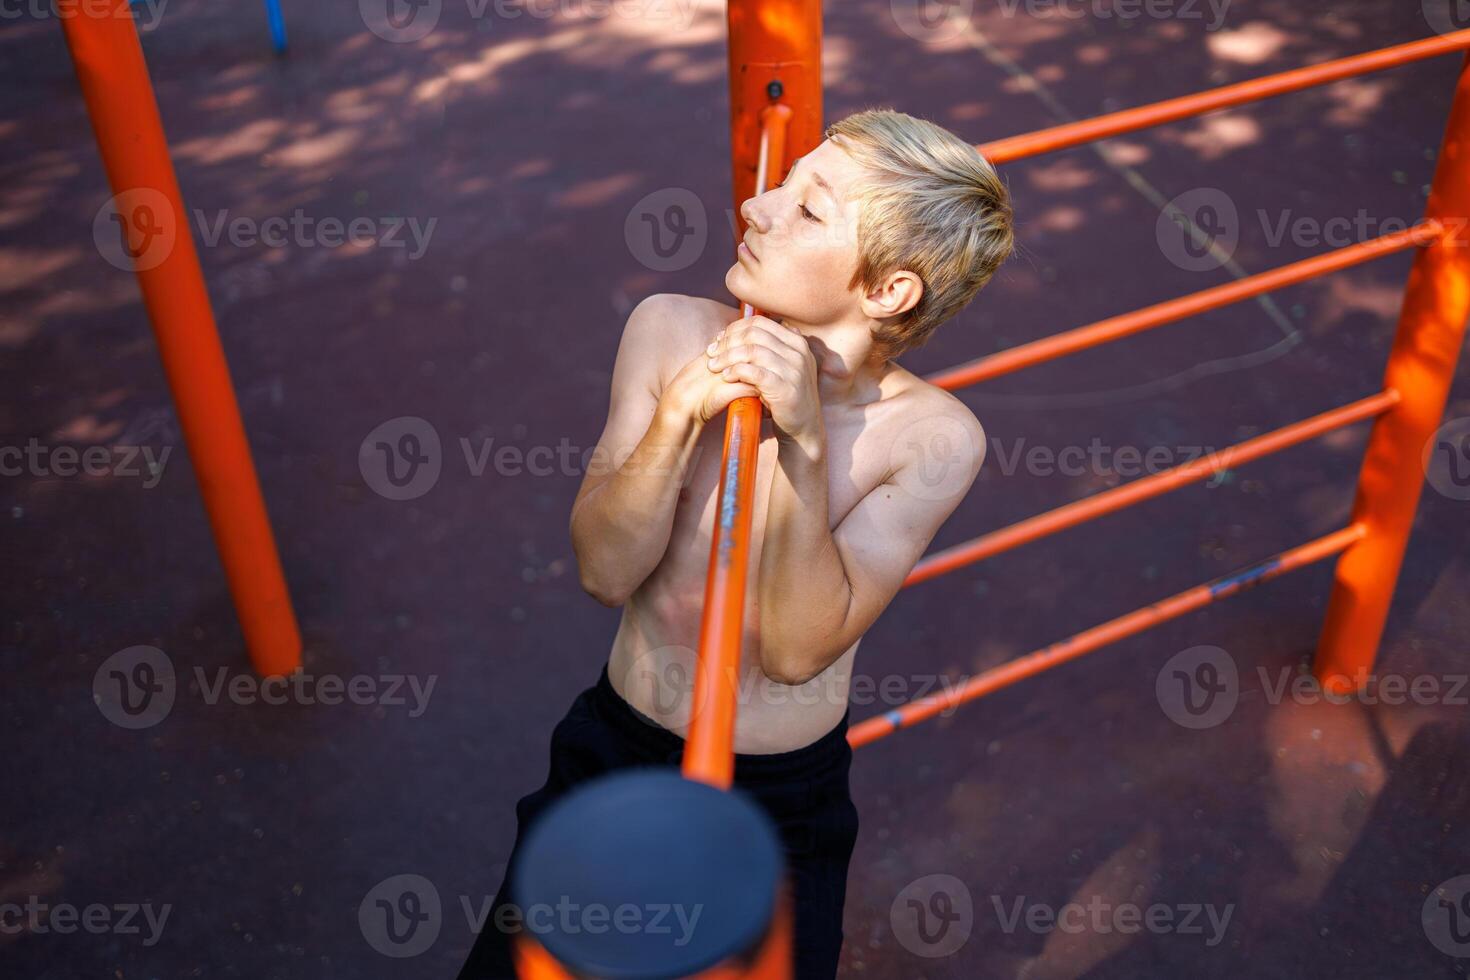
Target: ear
{"x":898,"y":293}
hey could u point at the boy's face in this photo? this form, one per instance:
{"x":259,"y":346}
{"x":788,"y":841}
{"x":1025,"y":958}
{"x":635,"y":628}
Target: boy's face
{"x":800,"y":247}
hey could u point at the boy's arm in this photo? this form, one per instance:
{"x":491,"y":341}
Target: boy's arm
{"x":624,"y":511}
{"x":821,"y":590}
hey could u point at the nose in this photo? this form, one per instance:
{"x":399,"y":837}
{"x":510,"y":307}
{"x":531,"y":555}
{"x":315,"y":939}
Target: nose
{"x":753,"y":210}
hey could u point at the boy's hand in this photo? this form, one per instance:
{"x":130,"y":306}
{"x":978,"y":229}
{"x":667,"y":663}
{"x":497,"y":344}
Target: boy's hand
{"x":699,"y":394}
{"x":777,"y":361}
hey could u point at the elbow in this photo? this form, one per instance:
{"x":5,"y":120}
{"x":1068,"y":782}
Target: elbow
{"x":603,"y":592}
{"x":594,"y":584}
{"x":787,"y":678}
{"x":611,"y":601}
{"x":789,"y":674}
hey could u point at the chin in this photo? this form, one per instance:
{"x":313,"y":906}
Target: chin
{"x":738,"y":283}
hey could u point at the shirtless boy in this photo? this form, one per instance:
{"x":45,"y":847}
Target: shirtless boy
{"x":875,"y":238}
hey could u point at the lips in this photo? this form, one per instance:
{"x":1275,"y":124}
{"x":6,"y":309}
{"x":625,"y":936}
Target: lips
{"x":748,"y":251}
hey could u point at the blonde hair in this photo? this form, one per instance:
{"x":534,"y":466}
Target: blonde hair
{"x":932,"y":205}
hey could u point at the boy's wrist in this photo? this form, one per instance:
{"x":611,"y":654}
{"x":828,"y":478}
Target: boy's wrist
{"x":677,"y":421}
{"x":809,"y":446}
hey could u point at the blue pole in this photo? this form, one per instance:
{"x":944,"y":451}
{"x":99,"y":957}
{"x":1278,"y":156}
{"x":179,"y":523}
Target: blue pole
{"x":272,"y":13}
{"x":278,"y":24}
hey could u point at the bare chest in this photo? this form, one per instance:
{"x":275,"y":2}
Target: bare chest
{"x":676,"y":586}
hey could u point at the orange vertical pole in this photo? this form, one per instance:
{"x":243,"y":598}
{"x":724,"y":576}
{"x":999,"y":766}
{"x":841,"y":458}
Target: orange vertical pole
{"x":775,"y":56}
{"x":120,"y":100}
{"x":775,"y":116}
{"x":708,"y":749}
{"x":1421,"y":367}
{"x":708,"y":752}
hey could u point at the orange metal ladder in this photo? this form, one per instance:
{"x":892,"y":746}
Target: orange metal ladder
{"x":1406,"y":410}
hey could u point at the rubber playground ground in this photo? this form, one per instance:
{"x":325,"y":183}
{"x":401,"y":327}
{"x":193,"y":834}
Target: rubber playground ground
{"x":448,"y":228}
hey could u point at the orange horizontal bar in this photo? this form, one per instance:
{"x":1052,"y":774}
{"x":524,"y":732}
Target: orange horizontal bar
{"x":872,"y":729}
{"x":1114,"y":328}
{"x":1198,"y":103}
{"x":1144,"y":488}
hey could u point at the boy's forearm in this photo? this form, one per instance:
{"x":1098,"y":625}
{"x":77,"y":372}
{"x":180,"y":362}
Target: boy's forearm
{"x":621,"y":529}
{"x":804,"y":591}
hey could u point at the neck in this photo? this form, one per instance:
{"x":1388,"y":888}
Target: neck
{"x":849,"y":368}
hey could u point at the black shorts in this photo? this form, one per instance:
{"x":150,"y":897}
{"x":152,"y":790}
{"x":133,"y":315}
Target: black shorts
{"x":805,"y":792}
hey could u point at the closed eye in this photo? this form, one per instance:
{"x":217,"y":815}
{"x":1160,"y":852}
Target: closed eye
{"x":805,"y":213}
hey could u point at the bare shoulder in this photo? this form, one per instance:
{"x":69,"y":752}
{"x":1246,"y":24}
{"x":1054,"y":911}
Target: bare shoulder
{"x":684,"y":322}
{"x":678,"y":327}
{"x":934,"y":426}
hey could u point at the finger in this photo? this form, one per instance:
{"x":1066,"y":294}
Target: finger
{"x":714,"y":345}
{"x":775,"y":333}
{"x":726,"y":394}
{"x":777,"y":362}
{"x":793,"y":337}
{"x":748,"y":328}
{"x":781,"y":363}
{"x":768,"y":370}
{"x":752,"y":374}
